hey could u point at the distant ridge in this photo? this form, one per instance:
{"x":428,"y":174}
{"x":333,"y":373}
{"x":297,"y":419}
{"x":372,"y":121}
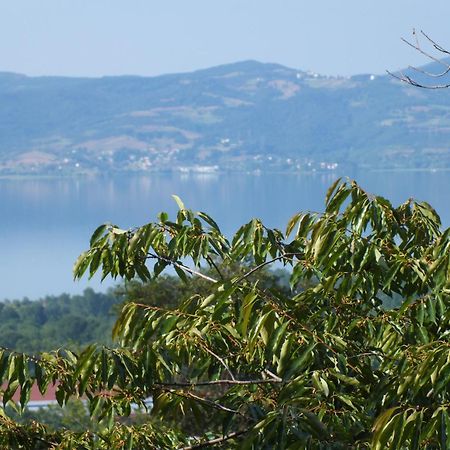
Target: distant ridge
{"x":245,"y":116}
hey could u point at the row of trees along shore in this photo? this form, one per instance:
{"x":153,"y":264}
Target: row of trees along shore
{"x":355,"y":354}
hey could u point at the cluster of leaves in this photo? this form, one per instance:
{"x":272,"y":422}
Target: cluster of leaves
{"x":324,"y":365}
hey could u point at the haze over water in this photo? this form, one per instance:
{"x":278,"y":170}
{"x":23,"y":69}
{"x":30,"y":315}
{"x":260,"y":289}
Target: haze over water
{"x":46,"y":223}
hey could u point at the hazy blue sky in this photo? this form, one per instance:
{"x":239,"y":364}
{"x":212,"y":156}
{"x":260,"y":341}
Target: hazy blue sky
{"x":149,"y":37}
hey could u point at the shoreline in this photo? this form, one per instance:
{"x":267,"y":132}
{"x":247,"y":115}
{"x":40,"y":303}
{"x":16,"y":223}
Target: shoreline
{"x":216,"y":173}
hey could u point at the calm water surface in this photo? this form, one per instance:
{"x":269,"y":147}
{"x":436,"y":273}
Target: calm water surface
{"x":46,"y":223}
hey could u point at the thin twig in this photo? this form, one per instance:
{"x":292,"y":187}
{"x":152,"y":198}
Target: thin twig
{"x":212,"y":263}
{"x":423,"y":52}
{"x":224,"y":364}
{"x":206,"y":401}
{"x":430,"y":74}
{"x":221,"y":382}
{"x":435,"y":44}
{"x":274,"y":377}
{"x":215,"y":441}
{"x":407,"y":79}
{"x":416,"y":46}
{"x":175,"y":312}
{"x":265,"y":263}
{"x":183,"y":267}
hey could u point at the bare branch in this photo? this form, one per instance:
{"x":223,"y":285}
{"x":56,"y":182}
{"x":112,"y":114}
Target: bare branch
{"x":417,"y":47}
{"x":430,"y":74}
{"x":407,"y":79}
{"x":435,"y":45}
{"x":420,"y":50}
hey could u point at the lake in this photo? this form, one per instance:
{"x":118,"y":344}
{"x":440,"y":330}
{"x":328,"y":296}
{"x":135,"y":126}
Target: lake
{"x":46,"y":223}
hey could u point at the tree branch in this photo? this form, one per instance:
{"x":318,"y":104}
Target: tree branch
{"x":416,"y":46}
{"x":182,"y":267}
{"x":224,"y":364}
{"x":265,"y":263}
{"x":219,"y":441}
{"x":221,"y":382}
{"x":213,"y":264}
{"x":206,"y":402}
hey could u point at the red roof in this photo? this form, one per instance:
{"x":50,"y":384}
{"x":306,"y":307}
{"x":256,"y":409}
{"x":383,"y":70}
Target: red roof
{"x":35,"y":395}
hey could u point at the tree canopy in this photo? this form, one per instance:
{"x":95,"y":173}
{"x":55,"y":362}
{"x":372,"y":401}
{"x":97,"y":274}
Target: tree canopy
{"x":72,"y":321}
{"x":354,"y":355}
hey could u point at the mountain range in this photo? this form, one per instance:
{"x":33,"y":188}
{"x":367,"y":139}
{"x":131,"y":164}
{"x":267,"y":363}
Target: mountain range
{"x":242,"y":116}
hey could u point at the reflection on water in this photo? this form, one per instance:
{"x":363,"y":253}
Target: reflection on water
{"x":46,"y":223}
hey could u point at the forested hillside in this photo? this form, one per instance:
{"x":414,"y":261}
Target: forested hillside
{"x":242,"y":116}
{"x":62,"y":321}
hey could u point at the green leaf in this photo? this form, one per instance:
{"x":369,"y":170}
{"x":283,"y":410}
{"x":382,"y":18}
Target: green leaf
{"x":415,"y":442}
{"x":247,"y":305}
{"x":179,"y":202}
{"x":443,"y":429}
{"x":209,"y":221}
{"x":379,"y":427}
{"x":318,"y":428}
{"x":336,"y":201}
{"x":129,"y":443}
{"x":10,"y":391}
{"x":331,"y":190}
{"x":291,"y":224}
{"x":163,"y":217}
{"x":98,"y":233}
{"x":81,"y":264}
{"x":285,"y":355}
{"x":84,"y":359}
{"x":25,"y":390}
{"x":181,"y":273}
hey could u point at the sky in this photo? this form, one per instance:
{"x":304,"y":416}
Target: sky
{"x":153,"y":37}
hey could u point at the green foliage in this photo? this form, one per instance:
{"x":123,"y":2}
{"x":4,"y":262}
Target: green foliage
{"x":52,"y":322}
{"x":324,"y":365}
{"x":74,"y":416}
